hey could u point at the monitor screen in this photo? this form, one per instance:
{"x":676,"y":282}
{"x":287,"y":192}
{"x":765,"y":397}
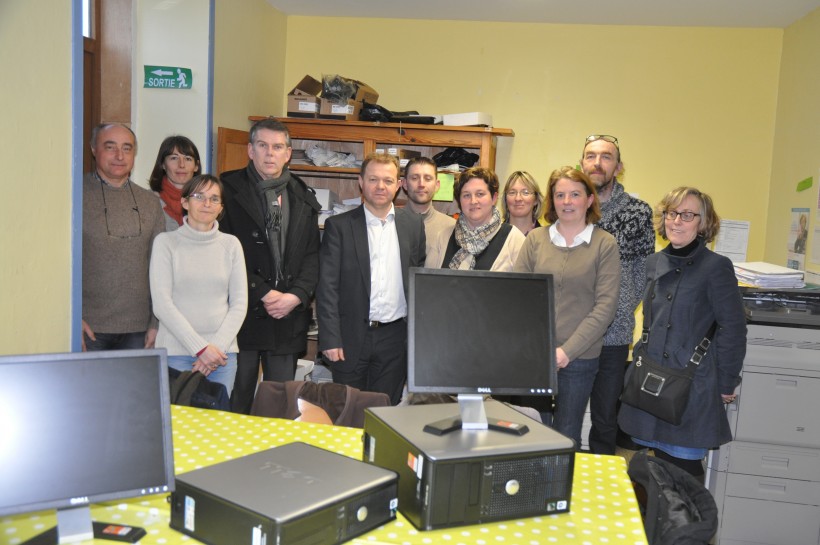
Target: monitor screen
{"x":481,"y":332}
{"x":82,"y":428}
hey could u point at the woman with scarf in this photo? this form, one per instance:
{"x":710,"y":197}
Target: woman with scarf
{"x":177,"y":162}
{"x":479,"y":240}
{"x":583,"y":260}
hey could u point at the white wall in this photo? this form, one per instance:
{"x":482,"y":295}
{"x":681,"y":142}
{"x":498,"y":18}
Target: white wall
{"x":169,"y":33}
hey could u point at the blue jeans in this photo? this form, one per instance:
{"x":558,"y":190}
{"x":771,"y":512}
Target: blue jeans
{"x":115,"y":341}
{"x":603,"y":404}
{"x":223,"y":374}
{"x":574,"y":387}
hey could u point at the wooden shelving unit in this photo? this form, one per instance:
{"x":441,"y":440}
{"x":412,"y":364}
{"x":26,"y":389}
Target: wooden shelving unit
{"x":359,"y":138}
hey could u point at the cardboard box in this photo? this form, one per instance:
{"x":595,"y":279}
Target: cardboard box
{"x":479,"y":119}
{"x":402,"y":153}
{"x":366,"y":93}
{"x":348,"y":112}
{"x":303,"y":100}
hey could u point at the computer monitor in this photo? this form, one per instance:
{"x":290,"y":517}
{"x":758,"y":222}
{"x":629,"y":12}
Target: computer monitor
{"x":474,"y":333}
{"x":81,"y":428}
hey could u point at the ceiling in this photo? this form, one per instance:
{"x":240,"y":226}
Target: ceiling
{"x":708,"y":13}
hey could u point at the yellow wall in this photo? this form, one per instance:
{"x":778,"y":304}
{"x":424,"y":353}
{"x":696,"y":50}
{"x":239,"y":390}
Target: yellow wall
{"x":797,"y":136}
{"x":691,"y":106}
{"x":35,"y":209}
{"x":249,"y":60}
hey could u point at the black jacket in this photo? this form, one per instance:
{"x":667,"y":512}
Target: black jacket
{"x":243,"y":218}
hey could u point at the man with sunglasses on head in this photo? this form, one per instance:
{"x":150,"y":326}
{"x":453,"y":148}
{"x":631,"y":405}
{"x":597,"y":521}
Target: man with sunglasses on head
{"x":120,"y":221}
{"x":629,"y":220}
{"x":274,"y":214}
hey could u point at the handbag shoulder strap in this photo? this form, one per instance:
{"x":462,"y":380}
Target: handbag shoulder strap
{"x":703,"y":346}
{"x":700,"y":349}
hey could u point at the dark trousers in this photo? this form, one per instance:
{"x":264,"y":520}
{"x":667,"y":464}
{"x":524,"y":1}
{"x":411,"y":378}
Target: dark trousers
{"x":278,"y":368}
{"x":115,"y":341}
{"x":382,"y":365}
{"x":603,"y":402}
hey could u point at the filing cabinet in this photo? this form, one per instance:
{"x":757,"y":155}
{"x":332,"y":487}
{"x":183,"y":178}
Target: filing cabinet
{"x":766,"y":482}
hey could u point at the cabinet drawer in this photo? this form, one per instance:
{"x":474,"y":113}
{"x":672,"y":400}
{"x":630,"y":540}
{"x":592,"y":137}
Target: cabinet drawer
{"x":745,"y":521}
{"x":780,"y":409}
{"x":774,"y":461}
{"x":773,"y":489}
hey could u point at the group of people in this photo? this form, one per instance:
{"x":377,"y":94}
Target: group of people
{"x":221,"y":272}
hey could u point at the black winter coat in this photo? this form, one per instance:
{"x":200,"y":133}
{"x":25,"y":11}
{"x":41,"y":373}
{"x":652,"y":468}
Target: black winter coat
{"x":690,"y":294}
{"x":243,"y":218}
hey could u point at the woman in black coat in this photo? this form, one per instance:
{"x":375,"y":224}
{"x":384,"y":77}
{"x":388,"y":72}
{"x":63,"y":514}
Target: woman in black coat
{"x":693,"y":288}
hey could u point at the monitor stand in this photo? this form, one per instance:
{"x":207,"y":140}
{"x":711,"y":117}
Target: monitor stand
{"x":74,"y":524}
{"x":474,"y":417}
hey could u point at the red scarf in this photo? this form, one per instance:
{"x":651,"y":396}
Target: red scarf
{"x":172,"y":197}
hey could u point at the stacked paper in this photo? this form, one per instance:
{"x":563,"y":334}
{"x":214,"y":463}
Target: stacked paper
{"x":767,"y":275}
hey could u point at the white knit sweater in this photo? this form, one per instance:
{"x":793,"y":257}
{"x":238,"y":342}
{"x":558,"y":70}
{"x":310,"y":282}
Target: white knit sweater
{"x":199,"y":289}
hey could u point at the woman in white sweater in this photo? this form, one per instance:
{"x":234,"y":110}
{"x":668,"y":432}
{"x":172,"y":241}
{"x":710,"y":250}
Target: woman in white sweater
{"x":199,"y":287}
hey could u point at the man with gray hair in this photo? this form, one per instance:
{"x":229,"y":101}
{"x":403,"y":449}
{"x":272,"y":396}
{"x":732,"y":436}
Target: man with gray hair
{"x":274,"y":214}
{"x":120,"y":221}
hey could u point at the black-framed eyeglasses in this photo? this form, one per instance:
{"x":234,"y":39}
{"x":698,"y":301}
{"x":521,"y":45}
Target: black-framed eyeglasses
{"x":605,"y":137}
{"x":135,"y":208}
{"x":201,"y":197}
{"x":687,"y":216}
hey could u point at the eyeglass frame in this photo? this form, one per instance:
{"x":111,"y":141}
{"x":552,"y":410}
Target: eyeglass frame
{"x":672,"y":215}
{"x":605,"y":137}
{"x":200,"y":197}
{"x":136,"y":208}
{"x":523,"y":192}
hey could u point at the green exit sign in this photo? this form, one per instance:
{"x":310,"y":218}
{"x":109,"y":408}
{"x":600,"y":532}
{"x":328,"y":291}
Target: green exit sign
{"x":167,"y":77}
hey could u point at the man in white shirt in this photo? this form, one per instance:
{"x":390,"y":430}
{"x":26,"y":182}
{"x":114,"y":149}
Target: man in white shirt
{"x":361,"y":299}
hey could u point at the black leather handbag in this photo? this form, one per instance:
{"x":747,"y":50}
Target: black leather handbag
{"x":659,"y":390}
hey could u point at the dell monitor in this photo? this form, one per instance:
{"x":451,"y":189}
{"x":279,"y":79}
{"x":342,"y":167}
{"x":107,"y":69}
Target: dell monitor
{"x":81,"y":428}
{"x":477,"y":333}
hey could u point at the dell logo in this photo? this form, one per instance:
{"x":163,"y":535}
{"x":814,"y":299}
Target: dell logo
{"x":484,"y":390}
{"x":81,"y":500}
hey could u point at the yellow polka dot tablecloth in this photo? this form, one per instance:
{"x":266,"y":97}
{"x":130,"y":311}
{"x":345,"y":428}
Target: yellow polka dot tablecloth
{"x":603,"y":508}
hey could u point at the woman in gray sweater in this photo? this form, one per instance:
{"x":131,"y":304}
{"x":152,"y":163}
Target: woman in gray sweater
{"x":199,"y":287}
{"x":586,"y":269}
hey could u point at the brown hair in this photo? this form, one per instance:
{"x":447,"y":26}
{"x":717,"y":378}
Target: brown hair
{"x":709,"y":220}
{"x":574,"y":175}
{"x":201,"y":183}
{"x":383,"y":158}
{"x":481,"y":173}
{"x":184,"y":146}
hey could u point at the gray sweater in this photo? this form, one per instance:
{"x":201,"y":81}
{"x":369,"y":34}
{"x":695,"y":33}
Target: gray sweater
{"x":116,"y":253}
{"x":586,"y":280}
{"x":200,"y":290}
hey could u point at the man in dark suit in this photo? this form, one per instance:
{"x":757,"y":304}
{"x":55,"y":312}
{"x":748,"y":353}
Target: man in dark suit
{"x":274,"y":214}
{"x":361,"y":300}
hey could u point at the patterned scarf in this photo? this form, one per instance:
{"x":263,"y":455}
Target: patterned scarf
{"x":171,"y":195}
{"x":473,"y":241}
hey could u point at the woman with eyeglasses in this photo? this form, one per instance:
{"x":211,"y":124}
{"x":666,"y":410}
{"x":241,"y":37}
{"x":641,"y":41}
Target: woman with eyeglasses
{"x":479,"y":240}
{"x":690,"y":288}
{"x":199,"y":286}
{"x":586,"y":269}
{"x":522,"y":202}
{"x":177,"y":162}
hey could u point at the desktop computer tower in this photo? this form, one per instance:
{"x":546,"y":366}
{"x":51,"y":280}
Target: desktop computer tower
{"x":470,"y":476}
{"x":295,"y":494}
